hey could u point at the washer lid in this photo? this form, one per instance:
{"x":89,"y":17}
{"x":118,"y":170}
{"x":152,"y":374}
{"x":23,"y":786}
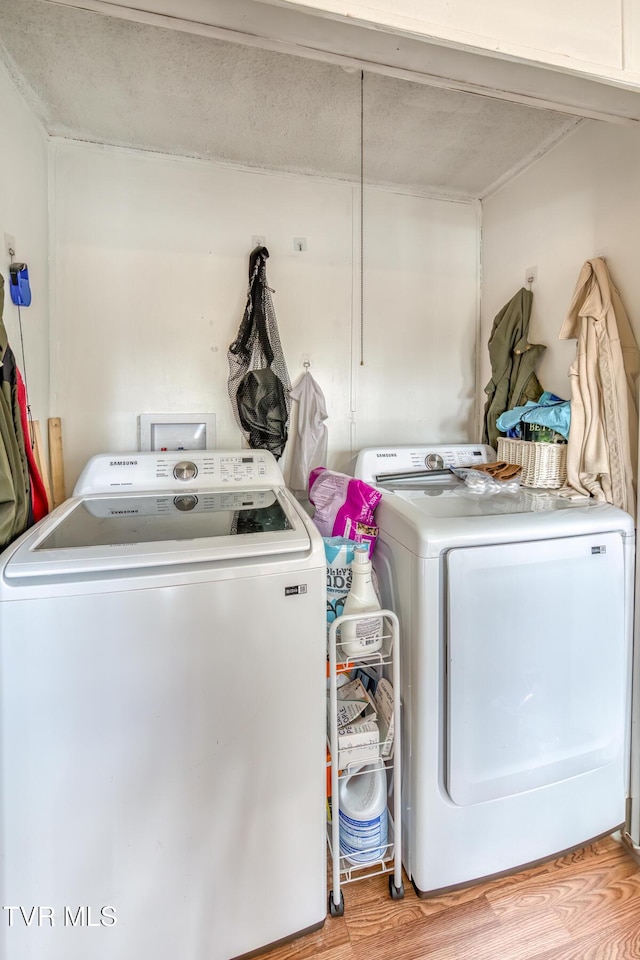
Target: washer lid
{"x":107,"y":533}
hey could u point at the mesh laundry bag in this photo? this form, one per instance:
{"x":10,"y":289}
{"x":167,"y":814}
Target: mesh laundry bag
{"x":258,"y":379}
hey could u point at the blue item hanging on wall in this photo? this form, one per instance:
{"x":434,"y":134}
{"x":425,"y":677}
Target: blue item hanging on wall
{"x":19,"y":284}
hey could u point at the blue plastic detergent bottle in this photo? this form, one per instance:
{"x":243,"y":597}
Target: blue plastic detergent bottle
{"x":363,"y":814}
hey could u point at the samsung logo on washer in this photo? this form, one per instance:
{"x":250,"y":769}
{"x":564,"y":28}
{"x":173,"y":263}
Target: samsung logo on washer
{"x":123,"y":463}
{"x":386,"y":454}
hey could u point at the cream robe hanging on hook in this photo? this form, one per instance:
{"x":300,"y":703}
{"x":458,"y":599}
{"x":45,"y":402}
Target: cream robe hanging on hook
{"x":308,"y":443}
{"x":603,"y":439}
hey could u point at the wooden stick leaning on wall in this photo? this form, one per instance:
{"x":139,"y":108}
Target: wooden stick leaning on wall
{"x":38,"y":453}
{"x":55,"y":459}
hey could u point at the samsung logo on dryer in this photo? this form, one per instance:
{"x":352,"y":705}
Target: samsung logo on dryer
{"x":122,"y":513}
{"x":123,"y":463}
{"x":386,"y":454}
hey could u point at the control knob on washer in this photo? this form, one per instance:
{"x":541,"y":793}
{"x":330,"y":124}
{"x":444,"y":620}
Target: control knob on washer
{"x":185,"y":470}
{"x":433,"y":461}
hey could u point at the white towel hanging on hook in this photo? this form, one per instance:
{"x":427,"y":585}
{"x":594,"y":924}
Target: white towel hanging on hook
{"x":309,"y":439}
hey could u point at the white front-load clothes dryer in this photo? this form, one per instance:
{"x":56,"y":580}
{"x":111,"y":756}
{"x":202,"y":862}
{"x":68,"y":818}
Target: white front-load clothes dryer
{"x":515,"y":617}
{"x":162,"y":715}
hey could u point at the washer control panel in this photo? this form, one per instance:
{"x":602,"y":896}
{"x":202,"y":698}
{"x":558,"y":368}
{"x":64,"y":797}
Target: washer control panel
{"x":179,"y":471}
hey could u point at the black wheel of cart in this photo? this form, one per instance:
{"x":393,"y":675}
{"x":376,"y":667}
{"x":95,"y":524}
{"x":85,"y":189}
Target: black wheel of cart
{"x":336,"y":910}
{"x":397,"y":893}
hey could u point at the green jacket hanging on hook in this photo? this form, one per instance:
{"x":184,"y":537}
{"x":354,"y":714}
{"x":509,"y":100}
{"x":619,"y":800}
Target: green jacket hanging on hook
{"x":14,"y":469}
{"x":513,"y":361}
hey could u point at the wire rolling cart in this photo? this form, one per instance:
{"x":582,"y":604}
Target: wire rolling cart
{"x":385,"y":662}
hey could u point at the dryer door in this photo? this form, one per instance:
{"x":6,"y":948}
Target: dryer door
{"x":537,"y":657}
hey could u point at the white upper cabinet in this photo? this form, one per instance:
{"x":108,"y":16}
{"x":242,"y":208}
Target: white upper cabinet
{"x":575,"y":34}
{"x":578,"y":56}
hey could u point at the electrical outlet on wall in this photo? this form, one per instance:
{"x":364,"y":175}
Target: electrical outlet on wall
{"x":10,"y":245}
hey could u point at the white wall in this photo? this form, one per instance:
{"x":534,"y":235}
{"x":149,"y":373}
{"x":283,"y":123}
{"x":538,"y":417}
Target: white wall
{"x":150,"y":264}
{"x":579,"y":201}
{"x":421,"y":292}
{"x":24,"y":216}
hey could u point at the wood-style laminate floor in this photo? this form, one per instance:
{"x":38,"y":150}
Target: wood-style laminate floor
{"x":583,"y":906}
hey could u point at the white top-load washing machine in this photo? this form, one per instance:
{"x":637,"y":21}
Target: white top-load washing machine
{"x":162,"y":715}
{"x":516,"y":632}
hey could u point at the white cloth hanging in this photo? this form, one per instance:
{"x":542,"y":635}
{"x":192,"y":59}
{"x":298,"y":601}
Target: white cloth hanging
{"x":602,"y":450}
{"x":309,"y":440}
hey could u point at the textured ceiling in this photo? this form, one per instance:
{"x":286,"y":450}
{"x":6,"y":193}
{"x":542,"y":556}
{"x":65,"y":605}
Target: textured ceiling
{"x":103,"y":79}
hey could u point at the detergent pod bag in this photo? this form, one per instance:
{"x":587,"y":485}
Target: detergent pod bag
{"x":344,"y":506}
{"x":344,"y":517}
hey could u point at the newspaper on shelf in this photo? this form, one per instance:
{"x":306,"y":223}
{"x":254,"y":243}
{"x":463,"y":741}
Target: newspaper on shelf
{"x":383,"y":702}
{"x":358,"y":734}
{"x":354,"y":702}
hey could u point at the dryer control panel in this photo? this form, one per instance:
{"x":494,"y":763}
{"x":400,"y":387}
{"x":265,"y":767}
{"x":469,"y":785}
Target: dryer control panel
{"x":375,"y":464}
{"x":179,"y":471}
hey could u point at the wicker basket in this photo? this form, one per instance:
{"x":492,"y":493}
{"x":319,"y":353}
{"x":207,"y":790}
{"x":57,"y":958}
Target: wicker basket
{"x":543,"y":464}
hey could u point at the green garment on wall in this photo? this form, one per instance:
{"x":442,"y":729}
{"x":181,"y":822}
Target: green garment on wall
{"x":513,"y":361}
{"x":14,"y":469}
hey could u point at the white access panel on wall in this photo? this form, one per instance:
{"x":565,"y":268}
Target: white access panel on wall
{"x":534,"y":695}
{"x":176,"y":431}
